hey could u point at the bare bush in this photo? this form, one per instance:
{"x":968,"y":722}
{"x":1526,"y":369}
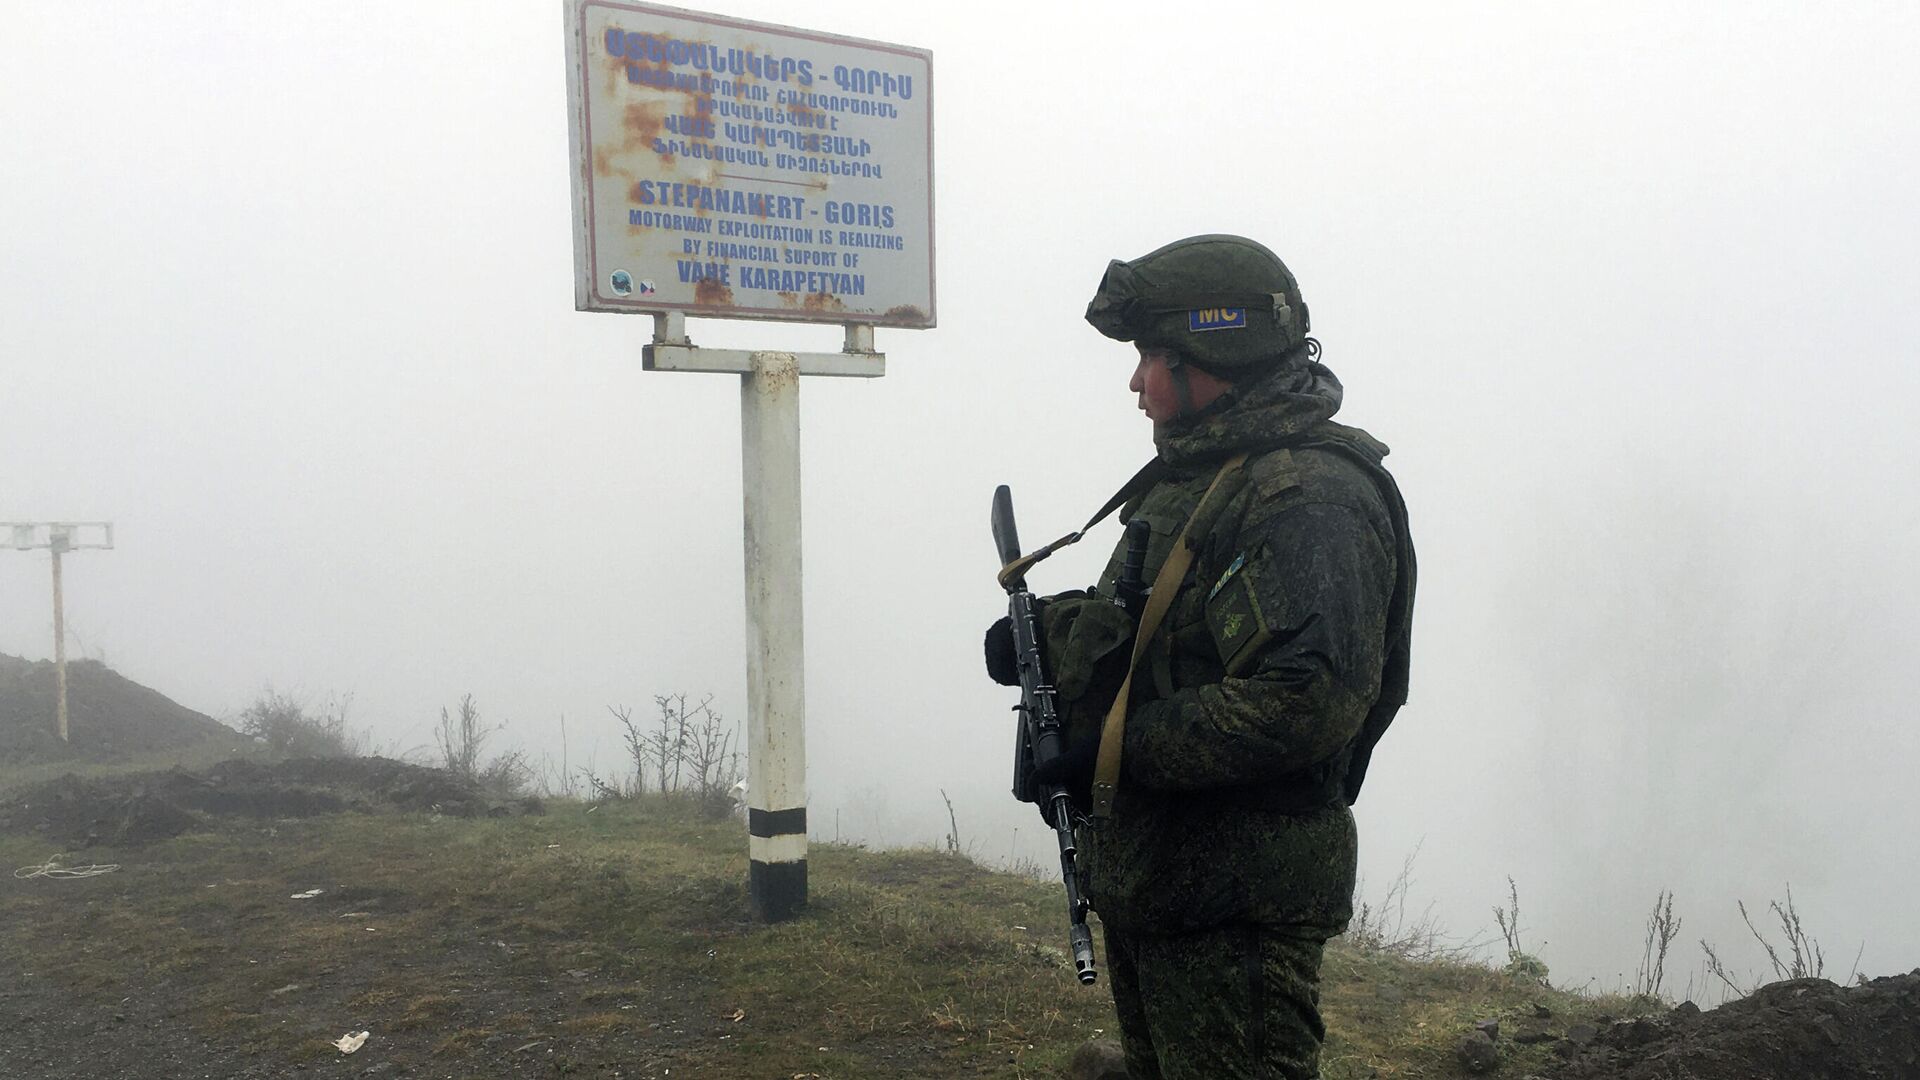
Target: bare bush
{"x":1798,"y":957}
{"x":1804,"y":960}
{"x":1520,"y":962}
{"x":288,"y":727}
{"x":1662,"y":928}
{"x":462,"y":739}
{"x":1383,"y":926}
{"x":712,"y":758}
{"x":690,"y":751}
{"x":954,"y":847}
{"x":636,"y":743}
{"x":557,"y":780}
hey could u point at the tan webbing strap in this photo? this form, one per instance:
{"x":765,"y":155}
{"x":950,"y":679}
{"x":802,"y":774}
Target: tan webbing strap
{"x":1106,"y":770}
{"x":1139,"y":482}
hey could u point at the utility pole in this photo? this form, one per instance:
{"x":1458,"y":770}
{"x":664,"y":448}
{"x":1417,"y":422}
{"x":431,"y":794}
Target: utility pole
{"x":60,"y":538}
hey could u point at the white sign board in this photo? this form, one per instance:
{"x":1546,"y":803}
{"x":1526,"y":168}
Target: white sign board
{"x":743,"y":170}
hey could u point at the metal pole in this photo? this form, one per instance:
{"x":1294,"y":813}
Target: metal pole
{"x":776,"y":698}
{"x":59,"y":648}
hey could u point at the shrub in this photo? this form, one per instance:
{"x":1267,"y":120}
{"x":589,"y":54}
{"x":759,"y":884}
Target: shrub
{"x":462,"y":739}
{"x":692,"y":753}
{"x":283,"y":723}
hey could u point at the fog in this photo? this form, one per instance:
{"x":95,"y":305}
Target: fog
{"x":286,"y":294}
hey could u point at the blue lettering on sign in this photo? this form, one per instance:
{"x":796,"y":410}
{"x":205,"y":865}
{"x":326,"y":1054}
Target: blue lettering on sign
{"x":1217,"y":319}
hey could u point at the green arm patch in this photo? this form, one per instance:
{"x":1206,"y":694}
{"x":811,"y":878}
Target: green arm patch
{"x":1235,"y":619}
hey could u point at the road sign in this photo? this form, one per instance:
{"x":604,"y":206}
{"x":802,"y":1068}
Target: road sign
{"x":734,"y":169}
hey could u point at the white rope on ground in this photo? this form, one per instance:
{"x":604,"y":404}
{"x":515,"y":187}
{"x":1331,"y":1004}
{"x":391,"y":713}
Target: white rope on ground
{"x":52,"y":869}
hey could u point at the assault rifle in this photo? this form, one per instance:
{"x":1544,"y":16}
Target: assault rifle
{"x":1041,"y":738}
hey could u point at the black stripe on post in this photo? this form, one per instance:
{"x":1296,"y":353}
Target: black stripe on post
{"x":768,"y":824}
{"x":776,"y":891}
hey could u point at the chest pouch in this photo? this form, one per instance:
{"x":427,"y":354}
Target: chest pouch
{"x":1089,"y":640}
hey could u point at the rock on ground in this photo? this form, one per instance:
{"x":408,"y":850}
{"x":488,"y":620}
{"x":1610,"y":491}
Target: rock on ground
{"x":1477,"y":1053}
{"x":1098,"y":1059}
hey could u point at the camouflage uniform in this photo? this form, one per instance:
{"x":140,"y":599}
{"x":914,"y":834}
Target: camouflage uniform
{"x":1229,"y":856}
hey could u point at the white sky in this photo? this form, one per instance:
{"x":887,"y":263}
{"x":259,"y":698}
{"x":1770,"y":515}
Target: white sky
{"x":286,"y":293}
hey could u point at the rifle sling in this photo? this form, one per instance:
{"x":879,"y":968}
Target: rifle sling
{"x":1148,"y":475}
{"x":1106,"y":772}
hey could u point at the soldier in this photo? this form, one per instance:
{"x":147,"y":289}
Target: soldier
{"x":1220,"y":854}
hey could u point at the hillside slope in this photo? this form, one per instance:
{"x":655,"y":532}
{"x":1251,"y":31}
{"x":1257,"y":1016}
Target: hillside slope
{"x":614,"y":941}
{"x":109,"y":717}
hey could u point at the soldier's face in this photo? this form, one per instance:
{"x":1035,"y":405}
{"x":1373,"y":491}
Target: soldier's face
{"x":1153,"y":385}
{"x":1159,"y":397}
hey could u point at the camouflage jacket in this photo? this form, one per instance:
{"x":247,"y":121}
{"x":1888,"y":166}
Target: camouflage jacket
{"x":1286,"y":636}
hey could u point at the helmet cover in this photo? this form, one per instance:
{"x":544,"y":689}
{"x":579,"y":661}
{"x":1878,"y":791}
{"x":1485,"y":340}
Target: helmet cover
{"x":1224,"y":303}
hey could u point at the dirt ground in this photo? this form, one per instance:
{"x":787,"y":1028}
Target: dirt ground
{"x":1800,"y":1029}
{"x":139,"y":808}
{"x":216,"y":961}
{"x":487,"y":1014}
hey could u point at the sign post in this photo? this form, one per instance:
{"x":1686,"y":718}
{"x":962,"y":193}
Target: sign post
{"x":732,"y":169}
{"x":61,"y":537}
{"x":776,"y":697}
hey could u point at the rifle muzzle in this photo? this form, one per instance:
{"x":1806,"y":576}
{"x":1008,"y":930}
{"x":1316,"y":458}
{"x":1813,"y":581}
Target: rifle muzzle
{"x":1082,"y":939}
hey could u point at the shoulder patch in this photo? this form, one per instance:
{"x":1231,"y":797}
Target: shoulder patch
{"x":1236,"y":620}
{"x":1217,"y":319}
{"x":1275,"y":474}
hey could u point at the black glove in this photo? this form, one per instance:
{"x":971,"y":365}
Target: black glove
{"x":1003,"y":662}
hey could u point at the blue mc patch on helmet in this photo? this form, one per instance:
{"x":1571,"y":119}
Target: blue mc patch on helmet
{"x":1217,"y":319}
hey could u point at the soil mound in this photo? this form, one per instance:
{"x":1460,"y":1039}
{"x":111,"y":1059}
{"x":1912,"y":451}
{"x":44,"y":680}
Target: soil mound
{"x":1789,"y":1030}
{"x":109,"y":717}
{"x":142,"y":807}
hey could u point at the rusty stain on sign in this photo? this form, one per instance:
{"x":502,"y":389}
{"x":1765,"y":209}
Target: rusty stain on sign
{"x":642,"y":120}
{"x":711,"y":291}
{"x":713,"y":157}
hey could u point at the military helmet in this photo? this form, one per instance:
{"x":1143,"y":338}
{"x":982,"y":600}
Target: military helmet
{"x":1223,"y":303}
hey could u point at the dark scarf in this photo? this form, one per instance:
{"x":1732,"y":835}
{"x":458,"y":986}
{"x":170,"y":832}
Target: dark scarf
{"x":1271,"y":410}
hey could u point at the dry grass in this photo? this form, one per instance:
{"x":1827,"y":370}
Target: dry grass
{"x":621,"y":938}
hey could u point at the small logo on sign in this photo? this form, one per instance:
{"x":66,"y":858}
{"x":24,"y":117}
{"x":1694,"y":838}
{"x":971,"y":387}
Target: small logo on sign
{"x":624,"y":285}
{"x":1225,"y":318}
